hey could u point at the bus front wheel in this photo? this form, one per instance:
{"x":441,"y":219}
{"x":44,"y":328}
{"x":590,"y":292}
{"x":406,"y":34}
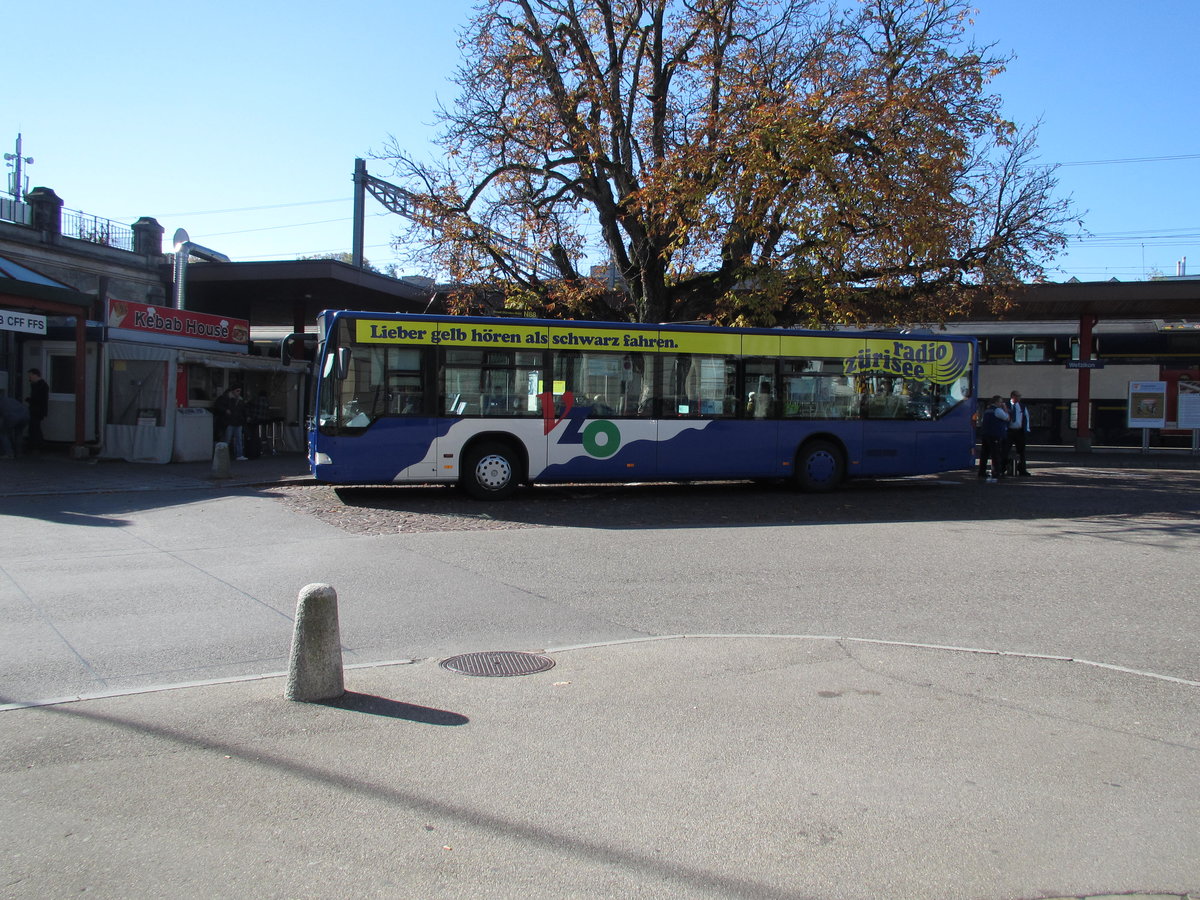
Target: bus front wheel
{"x":820,"y":467}
{"x":490,"y":471}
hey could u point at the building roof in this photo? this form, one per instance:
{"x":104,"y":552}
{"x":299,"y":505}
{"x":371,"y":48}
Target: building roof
{"x":276,"y":293}
{"x":14,"y":270}
{"x":22,"y":286}
{"x":1158,"y":299}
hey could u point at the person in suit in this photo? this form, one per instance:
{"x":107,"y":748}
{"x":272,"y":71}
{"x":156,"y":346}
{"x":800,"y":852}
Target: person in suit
{"x":1018,"y":428}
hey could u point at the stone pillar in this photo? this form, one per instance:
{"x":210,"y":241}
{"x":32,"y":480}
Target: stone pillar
{"x":315,"y":668}
{"x":220,"y":460}
{"x":47,"y":212}
{"x":147,"y":237}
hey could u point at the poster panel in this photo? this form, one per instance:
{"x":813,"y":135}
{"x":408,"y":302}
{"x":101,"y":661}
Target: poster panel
{"x":1189,"y":404}
{"x":1147,"y":404}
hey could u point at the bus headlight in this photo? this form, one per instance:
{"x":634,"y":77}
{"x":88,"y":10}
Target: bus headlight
{"x":322,"y":459}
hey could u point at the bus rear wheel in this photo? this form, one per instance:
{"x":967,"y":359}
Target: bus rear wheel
{"x":820,"y":467}
{"x":491,"y":471}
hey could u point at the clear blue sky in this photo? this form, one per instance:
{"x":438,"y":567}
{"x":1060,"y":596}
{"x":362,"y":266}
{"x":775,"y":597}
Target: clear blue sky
{"x":240,"y":121}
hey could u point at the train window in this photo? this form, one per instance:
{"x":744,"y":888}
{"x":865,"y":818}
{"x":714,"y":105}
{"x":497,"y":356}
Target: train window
{"x":1075,"y":345}
{"x":1030,"y":351}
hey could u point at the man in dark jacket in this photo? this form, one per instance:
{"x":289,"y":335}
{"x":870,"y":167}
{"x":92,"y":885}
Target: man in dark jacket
{"x":39,"y":406}
{"x":993,"y":433}
{"x":231,"y":419}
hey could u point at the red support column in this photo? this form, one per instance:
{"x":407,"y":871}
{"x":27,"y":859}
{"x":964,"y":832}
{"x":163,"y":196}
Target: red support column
{"x":79,"y":448}
{"x":1083,"y":434}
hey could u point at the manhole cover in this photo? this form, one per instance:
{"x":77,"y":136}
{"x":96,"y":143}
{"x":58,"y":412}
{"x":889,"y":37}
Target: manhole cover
{"x":498,"y":662}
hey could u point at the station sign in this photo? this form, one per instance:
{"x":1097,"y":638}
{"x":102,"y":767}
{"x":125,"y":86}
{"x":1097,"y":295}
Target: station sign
{"x":1085,"y":364}
{"x":20,"y":321}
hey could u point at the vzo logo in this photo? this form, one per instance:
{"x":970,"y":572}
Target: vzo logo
{"x":600,"y":437}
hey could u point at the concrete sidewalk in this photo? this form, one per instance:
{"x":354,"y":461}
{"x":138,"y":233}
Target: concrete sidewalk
{"x":679,"y":767}
{"x":682,"y":766}
{"x":54,"y":473}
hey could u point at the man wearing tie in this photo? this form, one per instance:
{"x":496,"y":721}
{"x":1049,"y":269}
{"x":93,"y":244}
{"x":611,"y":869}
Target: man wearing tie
{"x":1018,"y":427}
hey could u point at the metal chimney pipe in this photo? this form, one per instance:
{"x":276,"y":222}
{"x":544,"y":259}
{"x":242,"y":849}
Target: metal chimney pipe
{"x":183,"y":249}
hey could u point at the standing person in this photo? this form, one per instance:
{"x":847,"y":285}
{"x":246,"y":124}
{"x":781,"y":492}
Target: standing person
{"x":1018,"y":427}
{"x":993,"y":433}
{"x":260,"y":422}
{"x":14,"y":416}
{"x":231,"y":410}
{"x":39,"y":406}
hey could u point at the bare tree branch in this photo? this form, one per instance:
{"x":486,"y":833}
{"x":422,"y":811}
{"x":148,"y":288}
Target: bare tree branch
{"x":737,"y":159}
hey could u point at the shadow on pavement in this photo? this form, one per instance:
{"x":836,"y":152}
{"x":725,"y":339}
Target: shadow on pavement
{"x":395,"y":709}
{"x":1051,"y":493}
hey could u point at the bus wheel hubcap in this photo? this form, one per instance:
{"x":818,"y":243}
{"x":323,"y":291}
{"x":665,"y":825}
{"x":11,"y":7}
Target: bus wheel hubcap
{"x":493,"y":472}
{"x":820,"y":467}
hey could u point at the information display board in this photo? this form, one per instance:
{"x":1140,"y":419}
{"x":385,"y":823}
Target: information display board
{"x":1189,"y":404}
{"x":1147,"y":404}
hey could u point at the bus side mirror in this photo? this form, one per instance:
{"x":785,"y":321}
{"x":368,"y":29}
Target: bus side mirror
{"x":287,"y":347}
{"x":337,"y":365}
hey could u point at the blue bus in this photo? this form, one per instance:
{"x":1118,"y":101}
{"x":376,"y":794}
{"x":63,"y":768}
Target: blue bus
{"x":495,"y":403}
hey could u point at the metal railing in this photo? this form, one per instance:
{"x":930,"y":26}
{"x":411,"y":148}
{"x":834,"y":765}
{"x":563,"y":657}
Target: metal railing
{"x":107,"y":233}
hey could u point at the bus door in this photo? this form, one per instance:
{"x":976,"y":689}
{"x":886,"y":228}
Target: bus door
{"x":376,"y":418}
{"x":889,"y":410}
{"x":712,"y":428}
{"x":600,"y":418}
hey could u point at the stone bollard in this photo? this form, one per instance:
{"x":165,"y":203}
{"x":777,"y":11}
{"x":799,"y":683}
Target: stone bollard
{"x":220,"y":461}
{"x":315,"y":669}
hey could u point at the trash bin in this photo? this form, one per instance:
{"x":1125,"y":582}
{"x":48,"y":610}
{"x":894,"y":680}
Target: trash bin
{"x":193,"y":435}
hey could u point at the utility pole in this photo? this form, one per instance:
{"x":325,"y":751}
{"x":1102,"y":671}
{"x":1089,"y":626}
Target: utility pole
{"x":360,"y":199}
{"x":404,"y":203}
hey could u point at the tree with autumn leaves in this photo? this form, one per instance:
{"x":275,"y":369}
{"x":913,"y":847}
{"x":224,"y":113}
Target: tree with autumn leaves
{"x":746,"y":161}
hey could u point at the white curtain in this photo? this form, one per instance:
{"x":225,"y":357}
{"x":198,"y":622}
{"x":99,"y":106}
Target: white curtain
{"x":139,"y":387}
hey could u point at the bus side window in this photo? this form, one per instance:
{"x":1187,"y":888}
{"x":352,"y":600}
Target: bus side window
{"x":758,"y":378}
{"x":698,"y":386}
{"x":607,"y":384}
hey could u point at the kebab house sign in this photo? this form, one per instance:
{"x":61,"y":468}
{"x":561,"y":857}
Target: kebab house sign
{"x":178,"y":327}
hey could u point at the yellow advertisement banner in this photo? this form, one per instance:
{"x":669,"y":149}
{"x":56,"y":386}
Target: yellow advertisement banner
{"x":941,"y":362}
{"x":449,"y":334}
{"x":819,"y":347}
{"x":558,"y":337}
{"x":920,"y":359}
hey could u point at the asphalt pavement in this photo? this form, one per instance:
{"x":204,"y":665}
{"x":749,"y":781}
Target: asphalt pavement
{"x":678,"y":765}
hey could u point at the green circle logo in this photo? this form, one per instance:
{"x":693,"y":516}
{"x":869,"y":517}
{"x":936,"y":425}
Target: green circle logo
{"x":601,"y":438}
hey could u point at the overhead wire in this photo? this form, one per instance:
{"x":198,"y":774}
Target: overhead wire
{"x":1157,"y":237}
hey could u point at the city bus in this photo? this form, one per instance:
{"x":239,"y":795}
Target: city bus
{"x":495,"y":403}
